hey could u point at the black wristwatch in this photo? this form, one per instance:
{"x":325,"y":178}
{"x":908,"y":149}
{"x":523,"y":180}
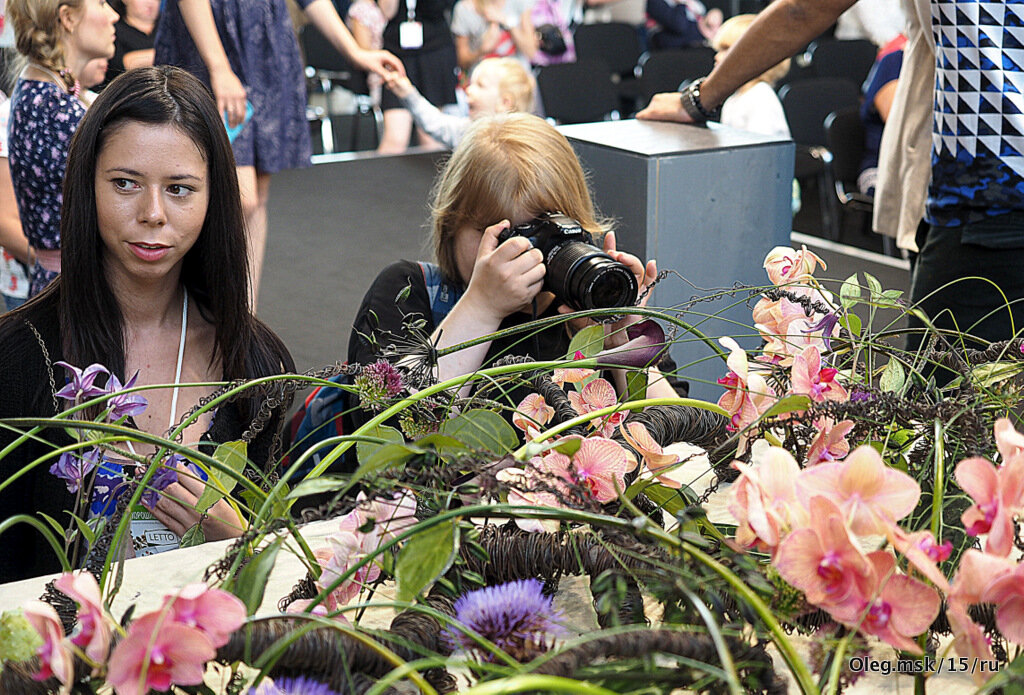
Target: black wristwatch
{"x":690,"y":99}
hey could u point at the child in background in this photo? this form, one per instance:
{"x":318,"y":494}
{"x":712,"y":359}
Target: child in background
{"x":754,"y":107}
{"x":497,"y":85}
{"x":493,"y":29}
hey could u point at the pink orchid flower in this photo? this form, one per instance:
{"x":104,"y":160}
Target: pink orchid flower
{"x":532,"y":487}
{"x":531,"y":413}
{"x":969,"y":639}
{"x":596,"y":395}
{"x":901,"y":607}
{"x":811,"y":379}
{"x":599,"y":466}
{"x":347,"y":549}
{"x":215,"y":612}
{"x":56,"y":660}
{"x":158,"y":653}
{"x":1009,"y":441}
{"x":1007,"y":592}
{"x":572,"y":375}
{"x":660,"y":464}
{"x":747,"y":394}
{"x":823,"y":561}
{"x":763,"y":499}
{"x":997,"y":495}
{"x":94,"y":632}
{"x":391,"y":516}
{"x":871,"y":494}
{"x":975,"y":571}
{"x":923,"y":553}
{"x":784,"y":265}
{"x":830,"y":443}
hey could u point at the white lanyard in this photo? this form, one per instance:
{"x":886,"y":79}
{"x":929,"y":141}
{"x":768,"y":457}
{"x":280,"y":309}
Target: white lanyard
{"x":410,"y":10}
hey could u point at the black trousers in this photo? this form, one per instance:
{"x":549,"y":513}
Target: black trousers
{"x":961,"y":285}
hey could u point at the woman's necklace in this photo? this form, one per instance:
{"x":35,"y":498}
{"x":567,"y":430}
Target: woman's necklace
{"x":62,"y":77}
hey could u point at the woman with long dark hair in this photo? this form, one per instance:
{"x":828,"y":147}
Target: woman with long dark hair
{"x":154,"y":283}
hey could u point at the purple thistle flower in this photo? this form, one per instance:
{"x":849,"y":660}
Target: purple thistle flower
{"x":72,"y":467}
{"x":124,"y":404}
{"x":292,"y":686}
{"x":516,"y":617}
{"x":827,"y":325}
{"x":81,"y":388}
{"x":378,"y":382}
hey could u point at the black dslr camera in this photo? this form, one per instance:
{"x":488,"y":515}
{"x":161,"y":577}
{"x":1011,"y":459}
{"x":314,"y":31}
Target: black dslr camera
{"x":578,"y":273}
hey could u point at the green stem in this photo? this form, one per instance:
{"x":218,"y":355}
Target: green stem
{"x":939,"y":481}
{"x":532,"y":682}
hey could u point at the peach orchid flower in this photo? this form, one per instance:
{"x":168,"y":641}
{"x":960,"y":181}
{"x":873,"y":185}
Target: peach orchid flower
{"x":871,"y":494}
{"x":784,"y":265}
{"x":599,"y":466}
{"x":596,"y":395}
{"x":763,"y":499}
{"x":56,"y":660}
{"x":997,"y":495}
{"x":158,"y":653}
{"x":830,"y":443}
{"x":811,"y":379}
{"x":659,"y":463}
{"x":532,"y":413}
{"x":572,"y":375}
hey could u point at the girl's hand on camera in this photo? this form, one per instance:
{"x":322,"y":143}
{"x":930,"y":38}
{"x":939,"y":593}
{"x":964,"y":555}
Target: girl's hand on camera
{"x":506,"y":276}
{"x":615,"y":333}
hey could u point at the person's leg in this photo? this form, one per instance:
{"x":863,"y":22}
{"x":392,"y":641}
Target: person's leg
{"x":397,"y":128}
{"x":255,"y":190}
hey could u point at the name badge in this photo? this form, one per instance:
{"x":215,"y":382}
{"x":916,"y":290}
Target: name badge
{"x":410,"y":35}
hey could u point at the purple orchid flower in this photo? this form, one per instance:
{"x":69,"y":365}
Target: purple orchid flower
{"x":81,"y":388}
{"x":827,"y":325}
{"x":645,"y":347}
{"x":124,"y":404}
{"x":165,"y":475}
{"x":72,"y":467}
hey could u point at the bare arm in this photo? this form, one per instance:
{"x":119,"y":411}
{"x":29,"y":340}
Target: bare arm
{"x":779,"y":31}
{"x":361,"y":33}
{"x":12,"y":237}
{"x":139,"y":59}
{"x":227,"y":88}
{"x":884,"y":98}
{"x":389,"y":8}
{"x":325,"y":17}
{"x":525,"y":36}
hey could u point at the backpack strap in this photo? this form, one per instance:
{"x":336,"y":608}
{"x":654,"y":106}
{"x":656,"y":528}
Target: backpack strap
{"x":442,"y":293}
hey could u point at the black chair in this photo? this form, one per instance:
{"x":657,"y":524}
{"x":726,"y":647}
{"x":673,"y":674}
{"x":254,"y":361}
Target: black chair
{"x":807,"y":104}
{"x":844,"y":136}
{"x":618,"y":45}
{"x":663,"y":71}
{"x":327,"y":69}
{"x":847,"y":58}
{"x":580,"y":92}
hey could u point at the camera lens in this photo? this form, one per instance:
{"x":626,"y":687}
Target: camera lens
{"x":584,"y":277}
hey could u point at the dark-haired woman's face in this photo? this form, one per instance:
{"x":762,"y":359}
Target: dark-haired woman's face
{"x":151,"y":201}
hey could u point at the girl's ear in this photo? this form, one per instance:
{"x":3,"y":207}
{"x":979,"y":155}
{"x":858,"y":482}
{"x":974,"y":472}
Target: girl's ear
{"x":68,"y":18}
{"x":508,"y":104}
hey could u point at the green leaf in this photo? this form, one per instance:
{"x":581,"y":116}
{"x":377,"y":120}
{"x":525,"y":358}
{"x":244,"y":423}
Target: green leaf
{"x":992,"y":373}
{"x":589,"y":341}
{"x":194,"y":536}
{"x":569,"y":447}
{"x":403,"y":294}
{"x":893,"y":377}
{"x":636,"y":385}
{"x":54,"y":523}
{"x":317,"y":486}
{"x":233,"y":456}
{"x":852,"y":323}
{"x":83,"y":527}
{"x":425,"y":557}
{"x":252,"y":579}
{"x":482,"y":429}
{"x":365,"y":450}
{"x":671,"y":500}
{"x":388,"y":456}
{"x":790,"y":404}
{"x":874,"y":285}
{"x":892,"y":295}
{"x":849,"y":293}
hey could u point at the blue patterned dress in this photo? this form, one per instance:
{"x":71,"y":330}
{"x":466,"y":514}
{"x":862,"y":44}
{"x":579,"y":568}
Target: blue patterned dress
{"x":260,"y":43}
{"x":43,"y":119}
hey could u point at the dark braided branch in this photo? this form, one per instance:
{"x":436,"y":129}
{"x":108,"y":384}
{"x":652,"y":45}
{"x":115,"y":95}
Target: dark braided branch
{"x":751,"y":660}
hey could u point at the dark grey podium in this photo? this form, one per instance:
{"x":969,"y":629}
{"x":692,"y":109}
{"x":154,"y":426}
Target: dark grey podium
{"x":707,"y":203}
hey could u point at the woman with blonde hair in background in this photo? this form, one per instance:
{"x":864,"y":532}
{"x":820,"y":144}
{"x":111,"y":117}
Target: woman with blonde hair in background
{"x":58,"y":38}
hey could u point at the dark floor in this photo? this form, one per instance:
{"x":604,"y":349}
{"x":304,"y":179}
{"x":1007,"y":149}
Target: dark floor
{"x":334,"y":226}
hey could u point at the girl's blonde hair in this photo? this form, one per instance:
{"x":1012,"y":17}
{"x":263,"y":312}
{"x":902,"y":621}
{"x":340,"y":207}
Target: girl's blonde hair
{"x":509,"y":166}
{"x":38,"y":33}
{"x":731,"y":31}
{"x":514,"y":81}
